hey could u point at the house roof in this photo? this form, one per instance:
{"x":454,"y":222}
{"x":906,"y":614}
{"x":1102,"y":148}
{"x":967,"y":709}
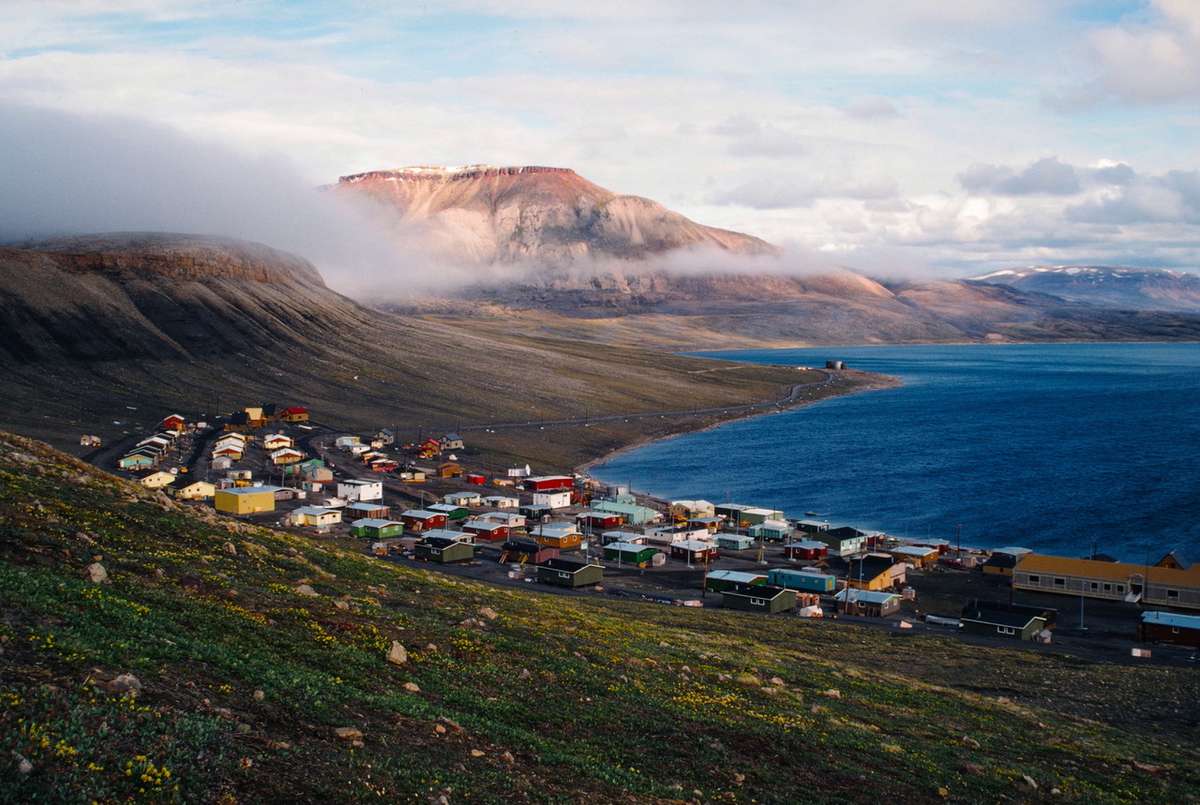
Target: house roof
{"x":912,"y":550}
{"x":249,"y":490}
{"x":443,"y":542}
{"x":421,"y":514}
{"x":374,"y":522}
{"x":295,"y":409}
{"x":522,"y":544}
{"x":313,"y":510}
{"x":738,"y":576}
{"x":999,"y":616}
{"x":693,"y":545}
{"x":484,"y":525}
{"x":567,"y":565}
{"x":1111,"y":571}
{"x":556,"y":529}
{"x":1172,"y":619}
{"x":629,"y":547}
{"x":766,"y":591}
{"x":358,"y":504}
{"x":867,"y":596}
{"x":806,"y":545}
{"x":444,"y":508}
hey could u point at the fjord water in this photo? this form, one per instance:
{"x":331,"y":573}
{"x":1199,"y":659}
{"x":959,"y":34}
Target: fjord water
{"x":1058,"y":448}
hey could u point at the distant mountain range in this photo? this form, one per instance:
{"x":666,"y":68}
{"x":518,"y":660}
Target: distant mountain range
{"x":602,"y":266}
{"x":1108,"y":286}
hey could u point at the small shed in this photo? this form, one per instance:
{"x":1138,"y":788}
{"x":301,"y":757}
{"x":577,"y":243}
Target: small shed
{"x":771,"y":530}
{"x":1169,"y":627}
{"x":695,"y":551}
{"x":418,"y":520}
{"x":806,"y":549}
{"x":449,"y":469}
{"x":364,"y":509}
{"x":758,"y":598}
{"x":734,"y":542}
{"x":569,"y":573}
{"x":376,"y":528}
{"x":444,"y":550}
{"x":820,"y":583}
{"x":721,"y":580}
{"x":476,"y":479}
{"x":999,"y":620}
{"x":868,"y":603}
{"x":628,"y":553}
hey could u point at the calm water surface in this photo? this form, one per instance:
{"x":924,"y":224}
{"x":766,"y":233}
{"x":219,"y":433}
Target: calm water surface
{"x":1054,"y":447}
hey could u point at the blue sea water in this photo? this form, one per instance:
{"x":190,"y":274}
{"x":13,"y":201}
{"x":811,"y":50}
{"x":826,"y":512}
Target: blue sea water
{"x":1061,"y":448}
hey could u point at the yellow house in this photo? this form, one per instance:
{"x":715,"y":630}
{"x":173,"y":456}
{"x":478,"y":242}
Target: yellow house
{"x":1114,"y":581}
{"x":286,"y":455}
{"x":254,"y":412}
{"x":157,"y":480}
{"x":276,"y":441}
{"x":245,"y":500}
{"x":199,"y":490}
{"x":316,"y":516}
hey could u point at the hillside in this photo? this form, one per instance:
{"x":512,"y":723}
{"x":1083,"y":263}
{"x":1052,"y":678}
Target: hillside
{"x":220,"y":662}
{"x":120,"y":328}
{"x":484,"y":213}
{"x":1109,"y":286}
{"x":564,"y":257}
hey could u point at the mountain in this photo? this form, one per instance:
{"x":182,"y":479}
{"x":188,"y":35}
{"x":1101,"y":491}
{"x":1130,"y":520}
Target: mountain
{"x":217,"y":660}
{"x":561,"y":256}
{"x":107,"y":332}
{"x":1107,"y":286}
{"x":484,"y":213}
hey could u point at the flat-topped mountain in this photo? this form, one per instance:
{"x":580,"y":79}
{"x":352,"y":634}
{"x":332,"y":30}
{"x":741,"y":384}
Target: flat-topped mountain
{"x":483,"y":213}
{"x":1109,"y":286}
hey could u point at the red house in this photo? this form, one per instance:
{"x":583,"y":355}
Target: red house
{"x":806,"y":549}
{"x":174,"y":422}
{"x":550,"y":483}
{"x":599,"y":521}
{"x":476,"y":479}
{"x":418,"y":520}
{"x":487,"y":531}
{"x":295,"y":413}
{"x":527,"y":551}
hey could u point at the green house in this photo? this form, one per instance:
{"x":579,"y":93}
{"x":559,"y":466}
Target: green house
{"x":445,"y":551}
{"x":568,"y":573}
{"x":771,"y":530}
{"x":758,"y":598}
{"x":629,"y":553}
{"x":452,"y":512}
{"x":375,"y":528}
{"x":135,"y":461}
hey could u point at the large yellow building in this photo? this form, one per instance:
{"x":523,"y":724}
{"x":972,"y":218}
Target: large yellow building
{"x":245,"y":500}
{"x":1114,"y":581}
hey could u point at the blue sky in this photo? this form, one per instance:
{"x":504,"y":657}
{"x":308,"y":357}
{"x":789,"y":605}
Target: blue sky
{"x":958,"y":137}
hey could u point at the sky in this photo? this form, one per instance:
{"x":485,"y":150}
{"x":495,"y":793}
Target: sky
{"x":895,"y":137}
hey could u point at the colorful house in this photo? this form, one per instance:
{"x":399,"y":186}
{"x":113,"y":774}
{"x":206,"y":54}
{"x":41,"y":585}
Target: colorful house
{"x":1113,"y":581}
{"x":806,"y":549}
{"x":549,"y":483}
{"x":455,"y":514}
{"x":523,"y":550}
{"x":734,"y":542}
{"x":317,"y":516}
{"x":173,"y":422}
{"x":463,"y":499}
{"x":501,"y":502}
{"x":632,"y":512}
{"x":1169,"y":627}
{"x":376,"y":528}
{"x":245,"y":500}
{"x":694,"y":551}
{"x":599,"y":521}
{"x":486,"y":530}
{"x":563,"y":536}
{"x":999,"y":620}
{"x":867,"y":603}
{"x":294,"y":413}
{"x":286,"y":455}
{"x":819,"y":583}
{"x":197,"y":490}
{"x":915,"y":555}
{"x":628,"y":553}
{"x":449,"y":469}
{"x":417,"y":521}
{"x":274,"y":441}
{"x":771,"y":530}
{"x":135,"y":461}
{"x":360,"y":509}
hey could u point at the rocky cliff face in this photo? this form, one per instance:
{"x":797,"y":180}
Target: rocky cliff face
{"x":487,"y":214}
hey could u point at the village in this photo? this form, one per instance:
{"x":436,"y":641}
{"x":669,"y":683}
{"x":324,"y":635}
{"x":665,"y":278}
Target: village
{"x":432,"y":501}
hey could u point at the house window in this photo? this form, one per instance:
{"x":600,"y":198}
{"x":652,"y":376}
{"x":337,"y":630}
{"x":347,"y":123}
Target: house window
{"x":1060,"y":582}
{"x":1035,"y":579}
{"x":757,"y":602}
{"x":1006,"y":630}
{"x":1172,"y":593}
{"x":1108,"y":588}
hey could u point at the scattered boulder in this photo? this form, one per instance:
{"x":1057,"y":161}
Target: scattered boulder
{"x":971,"y":742}
{"x":1029,"y":782}
{"x":23,"y":765}
{"x":306,"y":590}
{"x":488,"y":613}
{"x":477,"y":753}
{"x":893,"y":749}
{"x":412,"y":687}
{"x":507,"y":757}
{"x":747,"y":680}
{"x":439,"y":729}
{"x":125,"y":683}
{"x":776,"y":680}
{"x":96,"y":573}
{"x":231,"y":549}
{"x":524,"y":674}
{"x":348,"y":733}
{"x":340,"y":604}
{"x":259,"y":695}
{"x":397,"y":655}
{"x":451,"y":723}
{"x":833,"y":693}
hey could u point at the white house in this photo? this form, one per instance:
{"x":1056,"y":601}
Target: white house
{"x":510,"y":519}
{"x":345,"y":442}
{"x":463,"y":498}
{"x":502,"y":502}
{"x":555,"y":500}
{"x":358,"y":490}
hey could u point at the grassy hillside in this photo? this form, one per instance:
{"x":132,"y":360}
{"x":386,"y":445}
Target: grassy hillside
{"x":253,"y":648}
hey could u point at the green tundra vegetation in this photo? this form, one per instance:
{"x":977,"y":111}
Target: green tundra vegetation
{"x":160,"y":652}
